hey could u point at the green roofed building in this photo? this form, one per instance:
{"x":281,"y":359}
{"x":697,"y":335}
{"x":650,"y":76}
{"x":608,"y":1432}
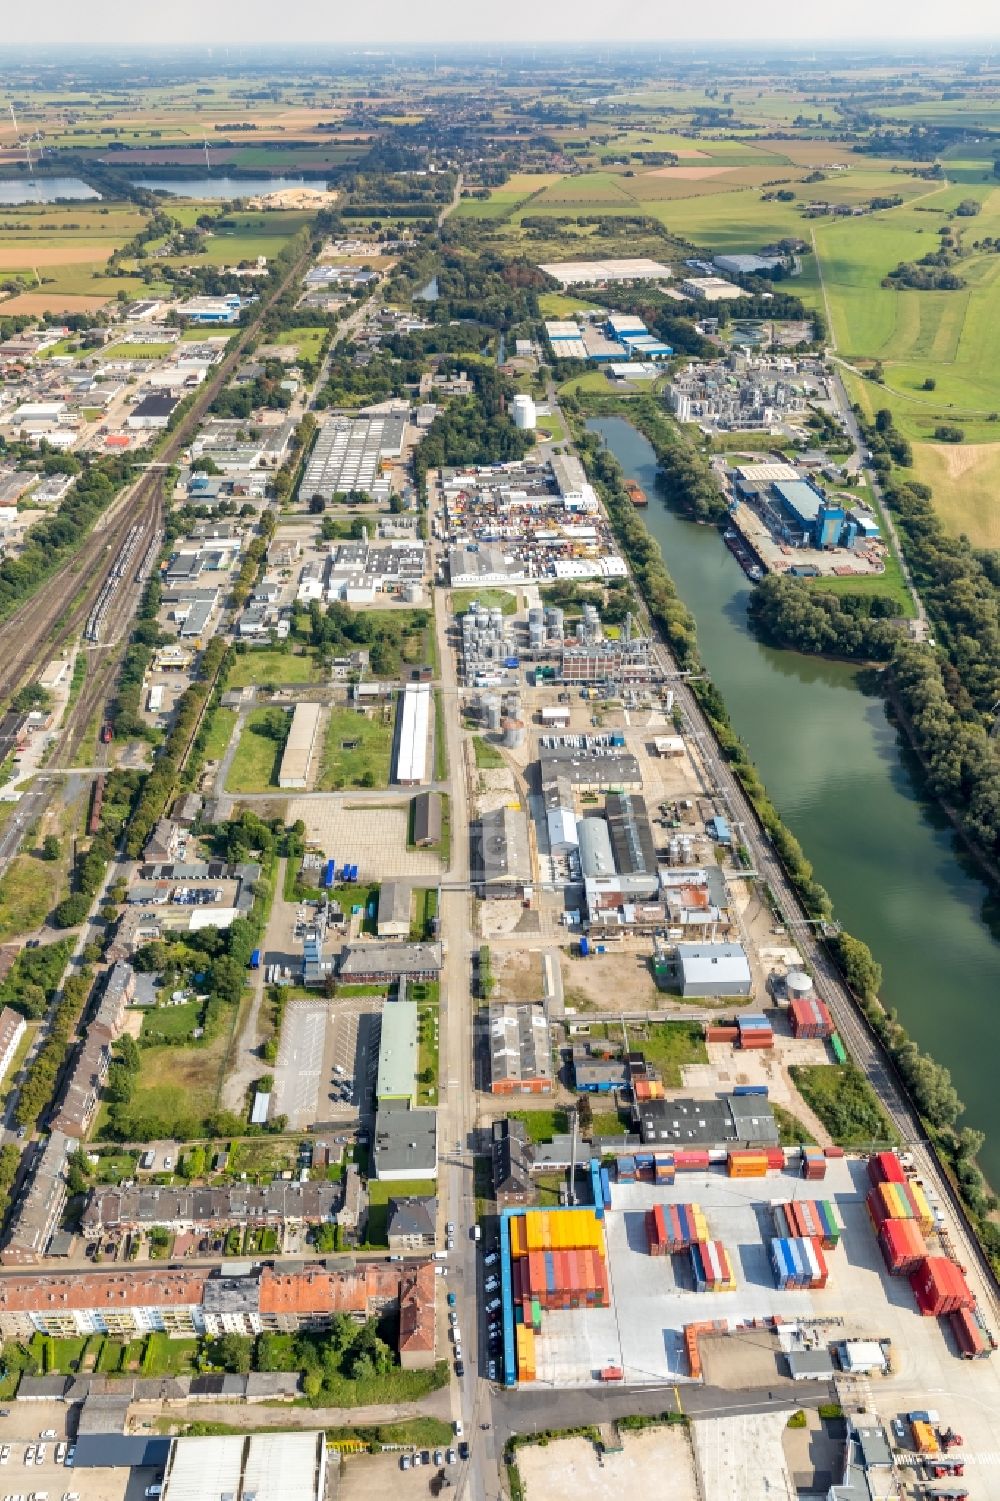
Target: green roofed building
{"x":397,"y":1053}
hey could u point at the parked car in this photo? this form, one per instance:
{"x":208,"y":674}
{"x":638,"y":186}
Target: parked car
{"x":449,"y":1229}
{"x":60,"y":1453}
{"x":4,"y":1454}
{"x":71,"y":1454}
{"x":492,"y":1283}
{"x":490,"y":1260}
{"x":459,"y":1430}
{"x":459,"y":1367}
{"x":491,"y":1370}
{"x":452,"y":1300}
{"x":425,"y":1456}
{"x":493,"y":1305}
{"x":453,"y":1318}
{"x":450,"y":1456}
{"x":404,"y":1461}
{"x":438,"y":1457}
{"x":463,"y":1451}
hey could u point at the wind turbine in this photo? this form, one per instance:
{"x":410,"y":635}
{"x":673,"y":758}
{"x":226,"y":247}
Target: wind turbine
{"x":208,"y":164}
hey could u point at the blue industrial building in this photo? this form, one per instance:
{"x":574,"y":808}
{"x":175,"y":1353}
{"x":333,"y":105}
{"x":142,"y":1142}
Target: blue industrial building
{"x":804,"y":517}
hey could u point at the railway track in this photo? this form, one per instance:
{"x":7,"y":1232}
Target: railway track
{"x":61,"y":606}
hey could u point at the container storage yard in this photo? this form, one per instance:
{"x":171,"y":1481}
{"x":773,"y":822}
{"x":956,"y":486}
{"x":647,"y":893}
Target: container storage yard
{"x":618,"y":1287}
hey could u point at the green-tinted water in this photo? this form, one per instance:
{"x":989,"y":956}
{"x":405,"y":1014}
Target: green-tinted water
{"x":836,"y":771}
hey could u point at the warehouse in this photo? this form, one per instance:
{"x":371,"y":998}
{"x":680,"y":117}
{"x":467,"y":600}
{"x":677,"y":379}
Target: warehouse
{"x":426,"y":819}
{"x":590,"y":768}
{"x":711,"y":1124}
{"x":397,"y":1052}
{"x":712,"y":969}
{"x":153,"y":411}
{"x":501,"y":857}
{"x":631,"y":834}
{"x":594,"y":273}
{"x":413,"y":723}
{"x":253,"y":1467}
{"x":405,"y":1144}
{"x":520,"y":1054}
{"x":349,"y":454}
{"x":596,"y":857}
{"x":393,"y":917}
{"x":299,"y":747}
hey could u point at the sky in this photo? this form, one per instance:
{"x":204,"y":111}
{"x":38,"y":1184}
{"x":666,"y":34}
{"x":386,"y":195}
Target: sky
{"x":439,"y":22}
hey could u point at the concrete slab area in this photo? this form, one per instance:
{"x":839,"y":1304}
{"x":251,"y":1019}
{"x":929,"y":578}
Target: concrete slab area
{"x":569,"y":1468}
{"x":741,"y":1457}
{"x":371,"y":836}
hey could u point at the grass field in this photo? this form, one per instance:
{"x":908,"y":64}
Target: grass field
{"x":271,"y":669}
{"x":29,"y":890}
{"x":488,"y":758}
{"x":461,"y":599}
{"x":258,"y":757}
{"x":137,"y":351}
{"x":357,"y":750}
{"x":219,"y":734}
{"x":171,"y":1021}
{"x":562,"y":305}
{"x":176,"y":1084}
{"x":308,"y":341}
{"x":670,"y":1045}
{"x":542,"y":1125}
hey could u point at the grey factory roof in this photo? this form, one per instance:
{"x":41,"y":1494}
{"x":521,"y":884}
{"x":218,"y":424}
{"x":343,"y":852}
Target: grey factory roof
{"x":520,"y":1048}
{"x":727,"y":1121}
{"x":810,"y":1365}
{"x":392,"y":959}
{"x":427,"y":817}
{"x":500,"y":853}
{"x":600,"y":766}
{"x":405,"y":1140}
{"x":631,"y":834}
{"x":412,"y":1218}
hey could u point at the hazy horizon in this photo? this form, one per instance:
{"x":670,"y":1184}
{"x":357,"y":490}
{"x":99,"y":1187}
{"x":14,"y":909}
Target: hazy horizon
{"x":240,"y":24}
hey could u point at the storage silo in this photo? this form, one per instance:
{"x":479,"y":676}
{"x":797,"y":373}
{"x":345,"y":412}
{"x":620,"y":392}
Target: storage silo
{"x":522,"y":409}
{"x":798,"y":985}
{"x":413,"y":594}
{"x":491,"y":712}
{"x":596,"y":858}
{"x":556,"y":623}
{"x":514,"y":733}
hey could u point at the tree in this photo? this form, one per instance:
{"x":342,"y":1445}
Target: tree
{"x":129,"y":1053}
{"x":51,"y":848}
{"x":584,"y":1113}
{"x":930,"y":384}
{"x":233,"y":1352}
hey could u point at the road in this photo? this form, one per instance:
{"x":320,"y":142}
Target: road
{"x":450,"y":208}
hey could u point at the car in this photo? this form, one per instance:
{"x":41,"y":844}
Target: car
{"x":442,"y":1271}
{"x":417,"y":1461}
{"x":29,"y":1455}
{"x":450,"y":1244}
{"x":450,"y":1456}
{"x":491,"y":1370}
{"x":453,"y":1317}
{"x":71,"y":1454}
{"x":425,"y":1456}
{"x":493,"y":1305}
{"x":396,"y":1258}
{"x":459,"y":1367}
{"x":4,"y":1454}
{"x":898,"y":1429}
{"x":490,"y":1260}
{"x":438,"y":1457}
{"x":60,"y":1453}
{"x":458,"y":1349}
{"x":404,"y":1461}
{"x":449,"y":1229}
{"x":40,"y":1455}
{"x":463,"y":1451}
{"x":492,"y":1283}
{"x":154,"y":1490}
{"x":71,"y":1496}
{"x":459,"y":1430}
{"x":168,"y":1163}
{"x":452,"y":1300}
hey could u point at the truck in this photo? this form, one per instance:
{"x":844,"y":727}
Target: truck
{"x":477,"y":1232}
{"x":255,"y":959}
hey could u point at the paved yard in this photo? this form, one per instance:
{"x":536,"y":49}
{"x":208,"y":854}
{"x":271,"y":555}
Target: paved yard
{"x":742,"y":1457}
{"x":569,"y":1468}
{"x":371,"y":836}
{"x":318,"y":1037}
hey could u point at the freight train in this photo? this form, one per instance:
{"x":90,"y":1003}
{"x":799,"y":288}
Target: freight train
{"x":98,"y":615}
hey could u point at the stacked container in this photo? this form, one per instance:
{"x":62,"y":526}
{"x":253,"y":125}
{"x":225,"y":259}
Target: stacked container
{"x":674,"y":1227}
{"x":885,"y":1167}
{"x":644,"y":1166}
{"x":648,"y":1089}
{"x":798,"y":1263}
{"x":525,"y":1339}
{"x":747,"y":1164}
{"x":625,"y":1169}
{"x":596,"y":1187}
{"x":900,"y":1201}
{"x":939,"y":1286}
{"x":755,"y":1031}
{"x":663,"y":1167}
{"x":775,"y":1159}
{"x":810,"y":1018}
{"x":813,"y":1218}
{"x":711,"y":1267}
{"x":902,"y":1246}
{"x":722,"y":1034}
{"x":692,"y":1161}
{"x":813,"y":1162}
{"x":606,"y":1187}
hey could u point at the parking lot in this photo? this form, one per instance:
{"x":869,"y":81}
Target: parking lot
{"x":327,"y":1059}
{"x":20,"y":1435}
{"x":652,"y":1299}
{"x":373,"y":838}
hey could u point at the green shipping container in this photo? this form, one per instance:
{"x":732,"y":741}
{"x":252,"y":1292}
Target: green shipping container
{"x":839,"y":1051}
{"x":829,"y":1221}
{"x":536,"y":1315}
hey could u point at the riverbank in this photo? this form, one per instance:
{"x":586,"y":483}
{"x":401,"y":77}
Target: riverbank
{"x":831,"y":760}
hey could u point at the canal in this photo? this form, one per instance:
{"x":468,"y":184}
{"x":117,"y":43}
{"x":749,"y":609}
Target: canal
{"x":834,"y":768}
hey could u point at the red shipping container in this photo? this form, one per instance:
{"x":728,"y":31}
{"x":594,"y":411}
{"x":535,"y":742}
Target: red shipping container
{"x":939,"y":1286}
{"x":692,"y":1160}
{"x":722,"y":1034}
{"x":969,"y":1337}
{"x":833,"y":1151}
{"x":902,"y":1246}
{"x":885,"y":1167}
{"x":824,"y":1270}
{"x":775,"y":1157}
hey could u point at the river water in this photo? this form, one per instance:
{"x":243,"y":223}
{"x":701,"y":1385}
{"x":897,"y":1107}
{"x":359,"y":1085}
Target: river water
{"x":836,"y":771}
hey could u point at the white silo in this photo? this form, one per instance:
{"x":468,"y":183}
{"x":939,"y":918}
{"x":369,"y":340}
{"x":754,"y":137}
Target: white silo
{"x":522,"y":409}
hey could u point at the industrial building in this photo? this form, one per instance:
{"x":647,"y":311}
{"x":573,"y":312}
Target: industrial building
{"x":598,"y":273}
{"x":153,"y":411}
{"x":393,"y":916}
{"x":377,"y":963}
{"x":520,"y":1050}
{"x":398,"y":1051}
{"x":251,"y":1467}
{"x":712,"y":969}
{"x":711,"y":1124}
{"x":405,"y":1145}
{"x":350,"y":454}
{"x":747,"y":265}
{"x":500,"y":863}
{"x":413,"y":728}
{"x":595,"y":766}
{"x":412,"y":1223}
{"x":631,"y":834}
{"x":426,"y":829}
{"x":710,"y":289}
{"x":597,"y":1075}
{"x":211,"y":309}
{"x":300,"y":746}
{"x":510,"y":1163}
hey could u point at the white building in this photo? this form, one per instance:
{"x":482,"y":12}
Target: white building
{"x":522,"y":409}
{"x":299,"y":746}
{"x":414,"y":722}
{"x":710,"y":289}
{"x":11,"y":1031}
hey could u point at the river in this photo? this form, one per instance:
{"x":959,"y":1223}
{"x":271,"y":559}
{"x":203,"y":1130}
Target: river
{"x":835,"y":769}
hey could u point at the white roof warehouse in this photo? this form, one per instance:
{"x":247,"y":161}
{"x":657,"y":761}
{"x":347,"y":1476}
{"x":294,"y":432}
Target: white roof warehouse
{"x":414,"y":721}
{"x":299,"y":746}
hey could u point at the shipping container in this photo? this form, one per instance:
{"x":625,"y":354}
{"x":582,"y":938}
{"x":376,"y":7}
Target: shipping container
{"x":837,"y":1048}
{"x":939,"y":1286}
{"x":924,"y":1438}
{"x":625,"y":1169}
{"x":750,"y":1089}
{"x":691,"y":1161}
{"x":902,"y":1246}
{"x":722,"y":1034}
{"x":969,"y":1336}
{"x":885,"y":1167}
{"x":606,"y":1187}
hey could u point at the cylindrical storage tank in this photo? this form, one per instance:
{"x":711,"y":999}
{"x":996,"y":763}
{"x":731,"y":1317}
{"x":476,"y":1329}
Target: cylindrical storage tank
{"x":491,"y":713}
{"x":514,"y":733}
{"x":536,"y":615}
{"x":556,"y":621}
{"x":522,"y":409}
{"x":596,"y":857}
{"x":536,"y":636}
{"x":798,"y":985}
{"x":413,"y":594}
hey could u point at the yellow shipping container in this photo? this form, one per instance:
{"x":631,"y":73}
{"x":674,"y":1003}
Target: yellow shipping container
{"x":924,"y":1438}
{"x":924,"y":1217}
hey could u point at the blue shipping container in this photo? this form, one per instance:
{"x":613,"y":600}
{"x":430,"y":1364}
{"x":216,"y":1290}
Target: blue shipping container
{"x":329,"y":873}
{"x":606,"y":1187}
{"x":255,"y":959}
{"x":751,"y":1089}
{"x":584,"y":948}
{"x":511,"y":662}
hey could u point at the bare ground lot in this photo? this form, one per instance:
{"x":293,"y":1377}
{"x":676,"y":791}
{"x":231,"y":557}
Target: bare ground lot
{"x":373,"y":836}
{"x":569,"y":1469}
{"x":518,"y":975}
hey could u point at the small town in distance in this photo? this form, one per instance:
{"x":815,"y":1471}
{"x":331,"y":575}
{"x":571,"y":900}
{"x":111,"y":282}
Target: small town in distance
{"x":438,"y":1047}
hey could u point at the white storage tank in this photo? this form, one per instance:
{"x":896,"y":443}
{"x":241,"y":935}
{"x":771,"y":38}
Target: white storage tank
{"x":522,"y":409}
{"x":798,"y":985}
{"x":514,"y":733}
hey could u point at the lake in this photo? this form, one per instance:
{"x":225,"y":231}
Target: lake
{"x":43,"y":189}
{"x":222,"y":187}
